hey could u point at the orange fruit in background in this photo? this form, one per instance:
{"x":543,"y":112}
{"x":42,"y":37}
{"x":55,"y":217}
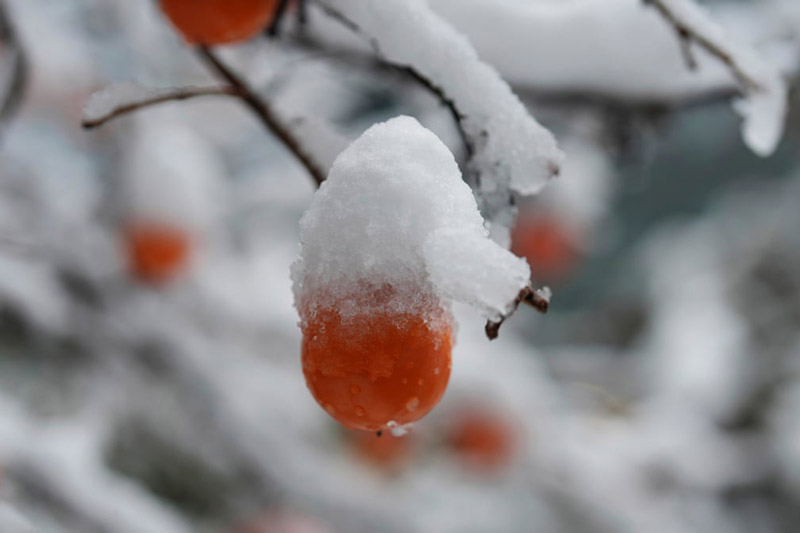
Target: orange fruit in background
{"x":283,"y":521}
{"x":213,"y":22}
{"x":547,"y":244}
{"x":379,"y":366}
{"x":483,"y":439}
{"x":156,"y":252}
{"x":386,"y":452}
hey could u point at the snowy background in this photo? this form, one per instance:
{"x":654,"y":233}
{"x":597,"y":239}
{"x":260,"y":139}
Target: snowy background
{"x":660,"y":393}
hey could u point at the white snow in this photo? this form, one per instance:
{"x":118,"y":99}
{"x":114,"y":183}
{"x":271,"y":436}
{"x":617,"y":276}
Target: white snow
{"x":763,"y":106}
{"x":621,"y":49}
{"x":394,"y":210}
{"x":160,"y":183}
{"x":513,"y":152}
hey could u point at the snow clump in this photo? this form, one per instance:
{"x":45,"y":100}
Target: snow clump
{"x":395,"y":218}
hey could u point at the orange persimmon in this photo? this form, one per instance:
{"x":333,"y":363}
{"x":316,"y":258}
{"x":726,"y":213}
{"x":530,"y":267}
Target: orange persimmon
{"x":483,"y":439}
{"x":373,"y":367}
{"x":156,"y":252}
{"x":283,"y":521}
{"x":547,"y":245}
{"x":213,"y":22}
{"x":385,"y":452}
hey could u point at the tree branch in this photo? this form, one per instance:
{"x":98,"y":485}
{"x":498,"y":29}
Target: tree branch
{"x":16,"y":89}
{"x":417,"y":76}
{"x":263,"y":110}
{"x":539,"y":299}
{"x":182,"y":93}
{"x":687,"y":33}
{"x":277,"y":19}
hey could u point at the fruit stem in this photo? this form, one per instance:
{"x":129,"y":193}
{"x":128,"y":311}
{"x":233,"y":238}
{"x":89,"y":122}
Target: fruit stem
{"x":539,"y":299}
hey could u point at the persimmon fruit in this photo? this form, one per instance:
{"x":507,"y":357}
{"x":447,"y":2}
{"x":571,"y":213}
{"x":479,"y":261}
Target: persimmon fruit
{"x":283,"y":521}
{"x":386,"y":452}
{"x":212,"y":22}
{"x":547,"y":244}
{"x":482,"y":438}
{"x":156,"y":252}
{"x":372,"y":368}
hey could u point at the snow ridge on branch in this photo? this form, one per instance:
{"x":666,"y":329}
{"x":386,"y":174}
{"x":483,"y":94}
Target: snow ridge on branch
{"x":763,"y":105}
{"x":512,"y":151}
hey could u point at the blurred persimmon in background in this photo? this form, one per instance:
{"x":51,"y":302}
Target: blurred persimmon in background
{"x":548,"y":244}
{"x":386,"y":452}
{"x":283,"y":521}
{"x":484,"y":439}
{"x":156,"y":252}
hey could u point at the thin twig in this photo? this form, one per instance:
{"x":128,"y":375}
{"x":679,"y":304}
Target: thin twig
{"x":687,"y":33}
{"x":457,"y":114}
{"x":263,"y":110}
{"x":277,"y":19}
{"x":16,"y":89}
{"x":182,"y":93}
{"x":539,"y":299}
{"x":686,"y":49}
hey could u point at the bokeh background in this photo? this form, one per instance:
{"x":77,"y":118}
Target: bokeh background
{"x":660,"y":394}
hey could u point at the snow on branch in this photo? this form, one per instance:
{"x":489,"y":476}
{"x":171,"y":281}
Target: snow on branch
{"x":512,"y":152}
{"x":764,"y":93}
{"x":264,"y":111}
{"x":311,"y":140}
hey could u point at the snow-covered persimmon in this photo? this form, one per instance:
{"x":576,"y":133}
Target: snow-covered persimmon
{"x":482,"y":438}
{"x":156,"y":252}
{"x":219,"y":21}
{"x":547,"y":244}
{"x":380,"y":367}
{"x":392,"y":237}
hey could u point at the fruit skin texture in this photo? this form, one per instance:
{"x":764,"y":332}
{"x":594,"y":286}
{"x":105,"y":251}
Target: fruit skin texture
{"x":378,"y":365}
{"x":213,"y":22}
{"x":156,"y":252}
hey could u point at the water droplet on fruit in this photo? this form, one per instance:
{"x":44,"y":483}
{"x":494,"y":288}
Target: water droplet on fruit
{"x":412,"y":403}
{"x":436,"y":371}
{"x":420,"y":382}
{"x":360,"y":411}
{"x":330,"y":408}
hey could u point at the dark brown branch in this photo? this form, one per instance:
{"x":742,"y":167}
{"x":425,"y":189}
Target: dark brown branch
{"x":458,"y":116}
{"x":689,"y":34}
{"x":539,"y":299}
{"x":263,"y":110}
{"x":183,"y":93}
{"x":277,"y":19}
{"x":16,"y":89}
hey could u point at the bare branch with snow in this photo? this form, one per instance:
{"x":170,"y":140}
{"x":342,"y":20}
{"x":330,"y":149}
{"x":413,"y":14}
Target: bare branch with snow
{"x":120,"y":99}
{"x":264,"y":111}
{"x":764,"y":92}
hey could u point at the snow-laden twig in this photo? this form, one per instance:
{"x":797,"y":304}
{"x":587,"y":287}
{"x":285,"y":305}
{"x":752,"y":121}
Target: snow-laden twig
{"x":17,"y":71}
{"x":264,"y":111}
{"x":122,"y":98}
{"x":763,"y":107}
{"x":539,"y":299}
{"x":512,"y":151}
